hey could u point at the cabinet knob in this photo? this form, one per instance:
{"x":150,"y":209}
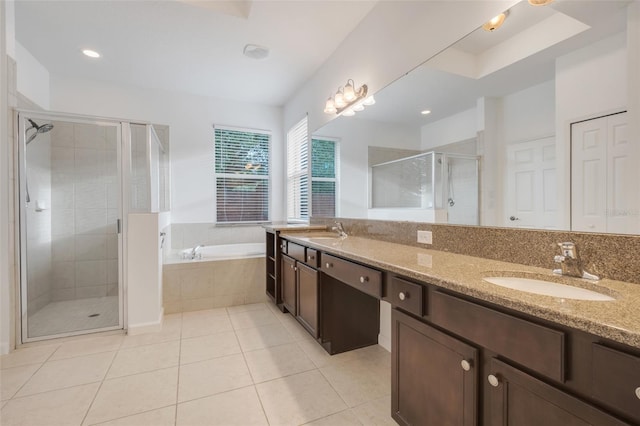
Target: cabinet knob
{"x":328,"y":265}
{"x":638,"y":392}
{"x":364,"y":279}
{"x":493,"y":380}
{"x":291,"y":266}
{"x":402,"y":295}
{"x":466,"y":365}
{"x":310,"y":257}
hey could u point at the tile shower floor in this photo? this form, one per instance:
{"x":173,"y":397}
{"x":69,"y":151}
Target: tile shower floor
{"x":244,"y":365}
{"x":74,"y":315}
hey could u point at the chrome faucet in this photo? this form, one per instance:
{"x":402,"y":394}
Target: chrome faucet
{"x":339,"y":229}
{"x":194,"y":252}
{"x":570,"y":262}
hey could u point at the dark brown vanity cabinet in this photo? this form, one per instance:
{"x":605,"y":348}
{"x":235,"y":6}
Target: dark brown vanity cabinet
{"x":289,"y":281}
{"x":308,"y":298}
{"x":518,"y":399}
{"x":434,"y":378}
{"x":300,"y":285}
{"x":522,"y":371}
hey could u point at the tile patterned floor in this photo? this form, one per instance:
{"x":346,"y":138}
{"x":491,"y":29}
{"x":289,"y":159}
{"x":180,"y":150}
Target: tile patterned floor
{"x":74,"y":315}
{"x":244,"y":365}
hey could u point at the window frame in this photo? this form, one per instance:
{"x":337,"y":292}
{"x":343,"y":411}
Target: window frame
{"x":336,"y":165}
{"x":299,"y":175}
{"x":267,"y":177}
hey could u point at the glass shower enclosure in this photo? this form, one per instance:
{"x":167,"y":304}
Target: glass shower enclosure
{"x":73,"y":175}
{"x":445,"y":186}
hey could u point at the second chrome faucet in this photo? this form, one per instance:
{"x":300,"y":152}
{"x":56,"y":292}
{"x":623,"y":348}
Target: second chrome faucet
{"x":570,"y":262}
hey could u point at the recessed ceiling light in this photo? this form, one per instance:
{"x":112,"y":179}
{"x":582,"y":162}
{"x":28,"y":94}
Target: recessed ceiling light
{"x":90,"y":53}
{"x":425,"y":112}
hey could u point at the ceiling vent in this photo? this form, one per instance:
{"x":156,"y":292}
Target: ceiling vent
{"x":254,"y":51}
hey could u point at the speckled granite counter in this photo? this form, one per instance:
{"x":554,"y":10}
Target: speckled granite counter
{"x":618,"y":320}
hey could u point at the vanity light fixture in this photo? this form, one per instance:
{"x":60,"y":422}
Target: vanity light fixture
{"x":540,"y":2}
{"x":348,"y":100}
{"x":91,"y":53}
{"x":425,"y":112}
{"x":495,"y":22}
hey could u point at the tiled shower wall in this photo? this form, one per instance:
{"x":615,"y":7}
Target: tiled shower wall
{"x":84,"y":211}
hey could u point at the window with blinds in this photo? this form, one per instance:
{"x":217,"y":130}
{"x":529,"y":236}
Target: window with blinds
{"x":298,"y":172}
{"x":242,"y":175}
{"x":324,"y":178}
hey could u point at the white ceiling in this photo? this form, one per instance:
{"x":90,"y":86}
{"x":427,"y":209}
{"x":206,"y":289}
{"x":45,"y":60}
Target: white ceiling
{"x":191,"y":46}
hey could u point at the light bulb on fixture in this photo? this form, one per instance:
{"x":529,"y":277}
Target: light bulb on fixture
{"x":369,"y":101}
{"x":357,"y":107}
{"x":495,"y":22}
{"x":349,"y":91}
{"x":425,"y":112}
{"x":329,"y":107}
{"x":338,"y":99}
{"x":348,"y":100}
{"x":540,"y":2}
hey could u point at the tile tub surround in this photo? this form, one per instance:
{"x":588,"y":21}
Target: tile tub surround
{"x":212,"y":284}
{"x":607,"y":255}
{"x":618,"y":320}
{"x":243,"y":373}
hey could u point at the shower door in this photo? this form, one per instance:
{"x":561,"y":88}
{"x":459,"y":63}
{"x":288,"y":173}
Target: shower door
{"x":70,"y":214}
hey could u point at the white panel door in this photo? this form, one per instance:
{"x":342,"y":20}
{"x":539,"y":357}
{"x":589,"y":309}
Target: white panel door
{"x":531,"y":185}
{"x":604,"y":176}
{"x":622,"y":178}
{"x":589,"y":175}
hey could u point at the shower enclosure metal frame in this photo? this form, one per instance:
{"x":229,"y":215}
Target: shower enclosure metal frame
{"x":439,"y":195}
{"x":123,"y":145}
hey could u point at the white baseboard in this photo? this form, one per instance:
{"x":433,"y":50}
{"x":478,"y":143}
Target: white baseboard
{"x":147,"y":327}
{"x":5,"y":348}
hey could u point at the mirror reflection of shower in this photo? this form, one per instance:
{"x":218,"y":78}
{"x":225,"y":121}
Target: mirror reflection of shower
{"x":43,"y":128}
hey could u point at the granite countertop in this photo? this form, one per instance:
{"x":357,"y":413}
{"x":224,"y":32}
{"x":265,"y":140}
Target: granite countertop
{"x":618,"y":320}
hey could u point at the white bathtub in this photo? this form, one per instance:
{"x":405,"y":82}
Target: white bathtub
{"x":226,"y":275}
{"x":221,"y":252}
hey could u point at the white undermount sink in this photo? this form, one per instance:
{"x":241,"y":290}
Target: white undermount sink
{"x":548,"y":288}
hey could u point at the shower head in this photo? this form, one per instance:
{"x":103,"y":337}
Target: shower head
{"x":43,"y":128}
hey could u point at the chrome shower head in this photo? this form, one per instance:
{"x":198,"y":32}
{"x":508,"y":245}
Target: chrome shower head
{"x":43,"y":128}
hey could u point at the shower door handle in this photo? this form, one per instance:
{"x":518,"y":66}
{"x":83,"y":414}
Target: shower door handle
{"x":119,"y":226}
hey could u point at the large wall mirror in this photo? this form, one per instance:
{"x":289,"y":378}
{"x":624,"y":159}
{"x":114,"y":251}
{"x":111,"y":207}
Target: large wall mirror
{"x":528,"y":126}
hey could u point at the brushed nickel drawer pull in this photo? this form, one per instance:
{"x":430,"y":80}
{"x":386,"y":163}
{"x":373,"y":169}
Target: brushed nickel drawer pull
{"x":466,"y":365}
{"x":364,"y":279}
{"x":329,"y":265}
{"x":638,"y":392}
{"x":493,"y":380}
{"x":402,"y":295}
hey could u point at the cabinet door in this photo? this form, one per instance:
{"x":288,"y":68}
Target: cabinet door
{"x":308,"y":298}
{"x":517,"y":399}
{"x":434,"y":376}
{"x":289,"y":284}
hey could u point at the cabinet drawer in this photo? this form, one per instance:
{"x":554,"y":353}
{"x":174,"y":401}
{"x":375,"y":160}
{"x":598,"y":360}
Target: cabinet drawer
{"x":296,"y":251}
{"x":313,"y":258}
{"x":537,"y":347}
{"x":364,"y":279}
{"x":616,"y":379}
{"x":407,"y":296}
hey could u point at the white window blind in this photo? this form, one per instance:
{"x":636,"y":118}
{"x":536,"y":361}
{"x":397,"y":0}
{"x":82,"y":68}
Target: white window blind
{"x":298,"y":172}
{"x":324,"y":177}
{"x":242,"y":175}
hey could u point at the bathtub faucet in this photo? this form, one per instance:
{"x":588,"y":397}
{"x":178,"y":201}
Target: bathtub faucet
{"x":194,"y":252}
